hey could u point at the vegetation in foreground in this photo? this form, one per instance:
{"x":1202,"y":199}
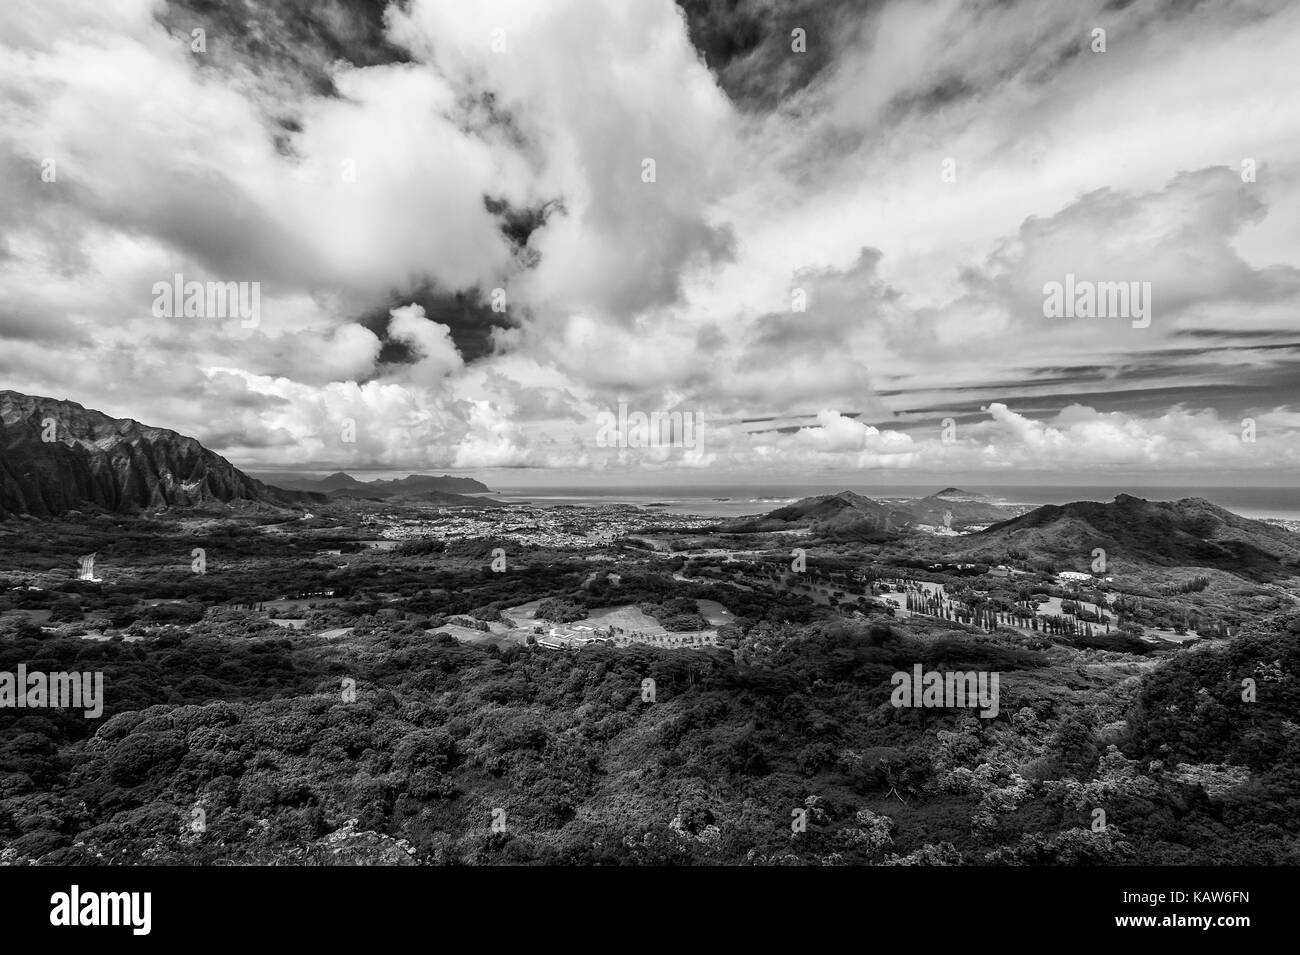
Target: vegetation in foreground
{"x":576,"y":766}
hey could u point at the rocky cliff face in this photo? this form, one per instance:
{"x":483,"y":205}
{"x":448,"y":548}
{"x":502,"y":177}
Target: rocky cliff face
{"x":57,"y":456}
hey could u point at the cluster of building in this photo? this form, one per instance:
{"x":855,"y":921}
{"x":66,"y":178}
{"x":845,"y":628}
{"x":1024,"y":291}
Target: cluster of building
{"x":570,"y":638}
{"x":556,"y":527}
{"x":1074,"y":575}
{"x":531,"y":526}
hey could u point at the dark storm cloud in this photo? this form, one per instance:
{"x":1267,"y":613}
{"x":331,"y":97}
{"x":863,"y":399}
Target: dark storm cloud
{"x":518,"y":225}
{"x":470,"y":320}
{"x":747,"y":43}
{"x":298,"y":40}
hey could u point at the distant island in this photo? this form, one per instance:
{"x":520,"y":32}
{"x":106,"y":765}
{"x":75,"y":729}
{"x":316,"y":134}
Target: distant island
{"x":345,"y":484}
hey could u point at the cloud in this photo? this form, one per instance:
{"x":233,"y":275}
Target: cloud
{"x":630,"y":93}
{"x":431,"y":342}
{"x":381,"y":176}
{"x":836,"y":433}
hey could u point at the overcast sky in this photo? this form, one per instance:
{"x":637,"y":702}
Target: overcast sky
{"x":917,"y":174}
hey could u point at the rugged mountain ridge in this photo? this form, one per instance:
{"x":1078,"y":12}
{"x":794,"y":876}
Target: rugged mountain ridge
{"x":57,"y":456}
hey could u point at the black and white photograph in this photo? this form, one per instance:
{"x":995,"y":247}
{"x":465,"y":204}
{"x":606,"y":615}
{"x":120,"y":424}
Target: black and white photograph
{"x":445,"y":434}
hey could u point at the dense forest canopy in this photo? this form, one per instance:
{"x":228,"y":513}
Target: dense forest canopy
{"x":566,"y":753}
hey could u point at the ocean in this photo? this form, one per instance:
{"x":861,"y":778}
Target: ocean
{"x":736,"y":501}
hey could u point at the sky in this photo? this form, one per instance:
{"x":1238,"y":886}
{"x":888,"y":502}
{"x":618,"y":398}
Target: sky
{"x":823,"y":233}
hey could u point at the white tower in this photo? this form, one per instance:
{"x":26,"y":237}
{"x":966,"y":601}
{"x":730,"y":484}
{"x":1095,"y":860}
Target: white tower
{"x":87,"y":571}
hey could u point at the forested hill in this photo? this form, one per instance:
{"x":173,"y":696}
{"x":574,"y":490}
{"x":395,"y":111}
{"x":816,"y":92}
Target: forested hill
{"x":1191,"y":532}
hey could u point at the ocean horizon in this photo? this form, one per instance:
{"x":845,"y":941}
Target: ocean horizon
{"x":1281,"y":503}
{"x":735,"y":500}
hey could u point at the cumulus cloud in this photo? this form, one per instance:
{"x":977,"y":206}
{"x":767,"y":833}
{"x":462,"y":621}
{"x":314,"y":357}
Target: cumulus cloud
{"x":796,"y":249}
{"x":627,"y":91}
{"x":1078,"y":440}
{"x":436,"y":356}
{"x":836,"y":433}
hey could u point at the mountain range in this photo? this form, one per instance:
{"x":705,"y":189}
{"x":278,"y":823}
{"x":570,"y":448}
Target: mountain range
{"x":1134,"y":533}
{"x":57,"y":456}
{"x":420,"y":486}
